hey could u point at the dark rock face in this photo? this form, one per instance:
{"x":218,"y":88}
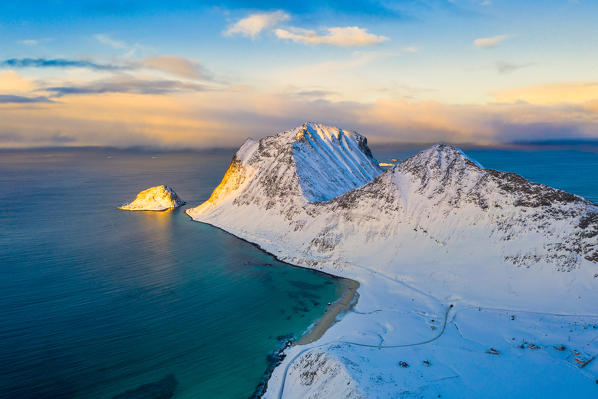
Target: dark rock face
{"x":162,"y":389}
{"x":531,"y":194}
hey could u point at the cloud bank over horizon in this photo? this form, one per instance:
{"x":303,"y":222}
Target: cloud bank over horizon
{"x":176,"y":114}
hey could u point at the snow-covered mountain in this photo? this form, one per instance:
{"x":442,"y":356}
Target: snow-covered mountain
{"x":517,"y":262}
{"x":308,"y":164}
{"x":159,"y":198}
{"x":314,"y":196}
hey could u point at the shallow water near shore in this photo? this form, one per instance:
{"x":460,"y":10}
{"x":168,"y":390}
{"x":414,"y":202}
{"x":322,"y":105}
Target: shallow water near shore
{"x":97,"y":302}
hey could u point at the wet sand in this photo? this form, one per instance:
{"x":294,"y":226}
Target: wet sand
{"x":341,"y":305}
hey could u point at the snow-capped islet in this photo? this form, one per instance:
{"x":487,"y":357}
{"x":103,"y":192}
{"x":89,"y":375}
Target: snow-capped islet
{"x":159,"y":198}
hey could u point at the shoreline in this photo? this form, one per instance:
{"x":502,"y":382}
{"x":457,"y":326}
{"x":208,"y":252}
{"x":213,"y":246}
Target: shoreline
{"x":179,"y":209}
{"x":341,"y":306}
{"x":344,"y":304}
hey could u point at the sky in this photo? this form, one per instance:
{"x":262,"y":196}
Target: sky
{"x":206,"y":74}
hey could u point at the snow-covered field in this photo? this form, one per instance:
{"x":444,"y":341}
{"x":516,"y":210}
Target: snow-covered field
{"x":517,"y":260}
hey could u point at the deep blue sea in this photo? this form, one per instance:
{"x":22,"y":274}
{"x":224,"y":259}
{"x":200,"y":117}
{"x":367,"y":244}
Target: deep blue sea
{"x":95,"y":302}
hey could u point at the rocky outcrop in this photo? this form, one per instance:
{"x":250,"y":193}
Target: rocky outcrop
{"x":159,"y":198}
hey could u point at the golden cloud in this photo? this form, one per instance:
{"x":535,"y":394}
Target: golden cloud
{"x":349,"y":36}
{"x":12,"y":82}
{"x":218,"y":118}
{"x":554,"y":93}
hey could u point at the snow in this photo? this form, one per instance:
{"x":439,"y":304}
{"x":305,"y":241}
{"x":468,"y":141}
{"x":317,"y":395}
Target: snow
{"x":159,"y":198}
{"x":434,"y":230}
{"x":333,"y":160}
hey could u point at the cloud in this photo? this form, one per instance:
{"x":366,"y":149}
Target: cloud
{"x":12,"y":82}
{"x":350,"y":36}
{"x":125,"y":85}
{"x":315,"y":93}
{"x":112,"y":119}
{"x":504,"y":67}
{"x":549,"y":94}
{"x":173,"y":65}
{"x":30,"y":42}
{"x":107,"y":40}
{"x":177,"y":66}
{"x":336,"y":73}
{"x":58,"y":63}
{"x":130,"y":49}
{"x":14,"y":99}
{"x":34,"y":42}
{"x":254,"y":24}
{"x":201,"y":119}
{"x":489,"y":42}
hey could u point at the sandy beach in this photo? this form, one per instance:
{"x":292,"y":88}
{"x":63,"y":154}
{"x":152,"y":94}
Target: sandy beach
{"x":340,"y":306}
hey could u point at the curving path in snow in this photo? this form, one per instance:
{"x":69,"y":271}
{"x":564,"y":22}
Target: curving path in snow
{"x":286,"y":369}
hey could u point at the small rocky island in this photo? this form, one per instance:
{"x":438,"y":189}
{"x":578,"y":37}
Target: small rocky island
{"x":159,"y":198}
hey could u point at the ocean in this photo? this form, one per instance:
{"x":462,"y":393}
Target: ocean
{"x":97,"y":302}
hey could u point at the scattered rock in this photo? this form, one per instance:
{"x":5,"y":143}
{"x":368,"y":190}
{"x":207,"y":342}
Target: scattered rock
{"x":560,"y":348}
{"x":427,"y":363}
{"x":492,"y":351}
{"x":403,"y":364}
{"x":532,"y":346}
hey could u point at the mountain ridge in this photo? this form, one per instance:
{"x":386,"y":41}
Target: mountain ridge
{"x":428,"y":209}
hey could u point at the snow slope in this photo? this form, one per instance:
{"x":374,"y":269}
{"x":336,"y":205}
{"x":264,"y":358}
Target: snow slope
{"x":435,"y":229}
{"x":159,"y":198}
{"x":307,"y":164}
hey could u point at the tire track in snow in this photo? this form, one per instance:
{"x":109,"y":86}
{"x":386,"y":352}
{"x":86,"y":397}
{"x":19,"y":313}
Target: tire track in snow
{"x":440,"y":333}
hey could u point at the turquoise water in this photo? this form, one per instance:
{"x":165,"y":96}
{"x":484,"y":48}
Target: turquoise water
{"x":95,"y":301}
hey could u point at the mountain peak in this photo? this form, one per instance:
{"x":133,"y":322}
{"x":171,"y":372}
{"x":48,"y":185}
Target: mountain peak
{"x":442,"y":162}
{"x":310,"y":163}
{"x":331,"y":161}
{"x":325,"y":132}
{"x":446,"y":154}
